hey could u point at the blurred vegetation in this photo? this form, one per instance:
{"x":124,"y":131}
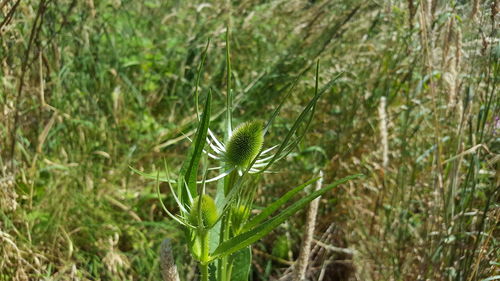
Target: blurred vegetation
{"x":91,"y":87}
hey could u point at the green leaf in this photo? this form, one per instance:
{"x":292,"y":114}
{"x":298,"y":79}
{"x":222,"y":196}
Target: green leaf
{"x":242,"y":260}
{"x":246,"y":239}
{"x":283,"y":100}
{"x":189,"y":170}
{"x":200,"y":66}
{"x":275,"y":206}
{"x":310,"y":107}
{"x":295,"y":142}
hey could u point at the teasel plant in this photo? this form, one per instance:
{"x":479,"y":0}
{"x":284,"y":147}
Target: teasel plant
{"x":220,"y":228}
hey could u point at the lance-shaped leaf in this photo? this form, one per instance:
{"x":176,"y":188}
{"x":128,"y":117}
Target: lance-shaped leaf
{"x":269,"y":210}
{"x":284,"y":99}
{"x":189,"y":170}
{"x":245,"y":239}
{"x":305,"y":112}
{"x":200,"y":66}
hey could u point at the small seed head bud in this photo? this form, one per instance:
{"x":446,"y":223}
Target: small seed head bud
{"x":240,"y":214}
{"x":208,"y":211}
{"x":245,"y":144}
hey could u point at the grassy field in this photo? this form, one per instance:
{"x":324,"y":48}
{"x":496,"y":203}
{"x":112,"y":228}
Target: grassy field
{"x":92,"y":88}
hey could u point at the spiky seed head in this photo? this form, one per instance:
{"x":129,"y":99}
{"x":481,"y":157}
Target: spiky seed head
{"x":245,"y":143}
{"x":207,"y":208}
{"x":239,"y":215}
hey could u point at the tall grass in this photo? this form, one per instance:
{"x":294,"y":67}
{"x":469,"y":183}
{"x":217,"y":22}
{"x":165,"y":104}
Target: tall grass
{"x":89,"y":87}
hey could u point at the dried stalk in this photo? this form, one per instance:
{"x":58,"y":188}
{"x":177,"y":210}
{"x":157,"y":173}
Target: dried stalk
{"x":305,"y":249}
{"x":167,"y":262}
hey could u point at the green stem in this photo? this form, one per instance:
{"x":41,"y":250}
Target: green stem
{"x":204,"y":272}
{"x":230,"y":270}
{"x":205,"y":249}
{"x":224,"y":235}
{"x":223,"y":273}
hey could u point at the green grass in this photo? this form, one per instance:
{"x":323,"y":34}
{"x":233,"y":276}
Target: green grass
{"x":118,"y":86}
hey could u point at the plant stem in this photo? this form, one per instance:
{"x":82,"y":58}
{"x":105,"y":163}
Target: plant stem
{"x":223,"y":273}
{"x":205,"y":248}
{"x":204,"y":272}
{"x":230,"y":270}
{"x":224,"y":235}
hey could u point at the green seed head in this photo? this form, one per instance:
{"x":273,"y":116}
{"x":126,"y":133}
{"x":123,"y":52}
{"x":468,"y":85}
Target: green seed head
{"x":239,"y":215}
{"x":245,"y":144}
{"x":208,"y":211}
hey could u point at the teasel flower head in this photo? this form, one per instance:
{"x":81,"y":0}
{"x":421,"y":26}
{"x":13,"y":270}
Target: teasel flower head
{"x":244,"y":144}
{"x":239,"y":153}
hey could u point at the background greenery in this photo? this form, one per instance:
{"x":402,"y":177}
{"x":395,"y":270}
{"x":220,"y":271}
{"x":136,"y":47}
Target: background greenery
{"x":91,"y":87}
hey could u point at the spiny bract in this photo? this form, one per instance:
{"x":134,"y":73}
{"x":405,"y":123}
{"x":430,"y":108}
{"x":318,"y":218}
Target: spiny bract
{"x":245,"y":144}
{"x":208,"y":211}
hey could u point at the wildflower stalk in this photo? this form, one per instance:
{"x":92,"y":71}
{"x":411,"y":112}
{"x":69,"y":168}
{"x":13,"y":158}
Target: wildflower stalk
{"x":224,"y":235}
{"x":225,"y":225}
{"x":228,"y":181}
{"x":204,"y":272}
{"x":205,"y":248}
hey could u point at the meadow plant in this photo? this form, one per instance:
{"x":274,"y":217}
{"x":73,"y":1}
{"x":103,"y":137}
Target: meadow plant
{"x":219,"y":227}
